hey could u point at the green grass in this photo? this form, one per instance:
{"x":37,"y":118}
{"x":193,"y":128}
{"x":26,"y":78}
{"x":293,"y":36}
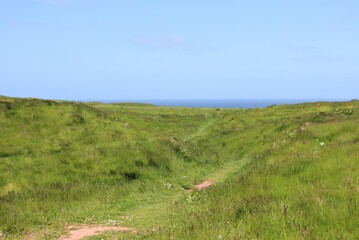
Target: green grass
{"x":283,"y":172}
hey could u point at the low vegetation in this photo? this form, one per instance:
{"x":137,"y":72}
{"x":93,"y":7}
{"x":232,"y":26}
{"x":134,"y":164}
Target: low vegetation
{"x":283,"y":172}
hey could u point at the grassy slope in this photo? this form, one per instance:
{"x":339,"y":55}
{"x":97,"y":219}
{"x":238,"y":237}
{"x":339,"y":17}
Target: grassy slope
{"x":302,"y":184}
{"x":66,"y":162}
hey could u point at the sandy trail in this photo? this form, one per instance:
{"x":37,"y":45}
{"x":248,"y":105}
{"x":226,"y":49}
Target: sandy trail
{"x":81,"y":231}
{"x":204,"y":185}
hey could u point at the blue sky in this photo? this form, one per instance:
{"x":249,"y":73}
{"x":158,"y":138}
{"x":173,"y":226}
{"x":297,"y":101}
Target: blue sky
{"x":178,"y":49}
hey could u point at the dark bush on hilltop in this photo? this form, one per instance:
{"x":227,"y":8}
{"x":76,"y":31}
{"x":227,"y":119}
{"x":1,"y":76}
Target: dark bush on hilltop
{"x":76,"y":118}
{"x":131,"y":175}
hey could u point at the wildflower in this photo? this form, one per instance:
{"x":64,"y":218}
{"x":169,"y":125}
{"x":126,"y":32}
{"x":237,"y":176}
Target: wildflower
{"x":322,"y":144}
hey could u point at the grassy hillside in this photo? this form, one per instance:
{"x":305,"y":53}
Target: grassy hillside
{"x":65,"y":163}
{"x":304,"y":185}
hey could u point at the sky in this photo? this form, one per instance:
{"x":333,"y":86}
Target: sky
{"x":179,"y":49}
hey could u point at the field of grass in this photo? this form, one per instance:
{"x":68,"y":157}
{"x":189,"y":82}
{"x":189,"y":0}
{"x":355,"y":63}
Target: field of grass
{"x":283,"y":172}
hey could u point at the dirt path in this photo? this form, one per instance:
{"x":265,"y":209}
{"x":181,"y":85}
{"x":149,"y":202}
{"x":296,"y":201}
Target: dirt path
{"x":204,"y":185}
{"x":81,"y":231}
{"x":155,"y":209}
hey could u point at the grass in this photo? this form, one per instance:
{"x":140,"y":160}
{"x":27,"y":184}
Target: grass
{"x":283,"y":172}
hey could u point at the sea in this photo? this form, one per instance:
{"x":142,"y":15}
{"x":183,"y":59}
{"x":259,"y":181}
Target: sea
{"x":220,"y":103}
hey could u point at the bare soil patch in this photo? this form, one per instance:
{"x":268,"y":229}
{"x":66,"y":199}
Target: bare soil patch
{"x":204,"y":185}
{"x":81,"y":231}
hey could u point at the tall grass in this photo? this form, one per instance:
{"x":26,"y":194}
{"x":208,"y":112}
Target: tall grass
{"x":301,"y":184}
{"x":64,"y":162}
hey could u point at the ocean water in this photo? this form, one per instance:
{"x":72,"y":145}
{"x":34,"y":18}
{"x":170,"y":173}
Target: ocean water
{"x":218,"y":103}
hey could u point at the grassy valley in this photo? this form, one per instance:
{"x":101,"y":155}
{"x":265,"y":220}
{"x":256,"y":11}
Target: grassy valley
{"x":283,"y":172}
